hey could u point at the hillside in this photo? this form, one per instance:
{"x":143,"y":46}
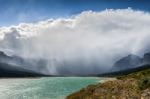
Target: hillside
{"x":124,"y":72}
{"x":127,"y":62}
{"x":7,"y":70}
{"x":130,"y":61}
{"x":12,"y":66}
{"x":135,"y":85}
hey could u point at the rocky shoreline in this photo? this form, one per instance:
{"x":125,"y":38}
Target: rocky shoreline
{"x":132,"y":86}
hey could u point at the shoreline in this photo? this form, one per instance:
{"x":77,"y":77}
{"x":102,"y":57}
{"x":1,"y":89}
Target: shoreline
{"x":105,"y":79}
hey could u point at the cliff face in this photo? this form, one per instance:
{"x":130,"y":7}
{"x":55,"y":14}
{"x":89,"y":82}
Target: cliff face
{"x":132,"y":86}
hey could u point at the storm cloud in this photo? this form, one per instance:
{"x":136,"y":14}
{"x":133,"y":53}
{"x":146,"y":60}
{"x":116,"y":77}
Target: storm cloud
{"x":87,"y":43}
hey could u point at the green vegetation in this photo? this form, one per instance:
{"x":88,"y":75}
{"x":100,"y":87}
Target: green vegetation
{"x":132,"y":86}
{"x":144,"y":83}
{"x":137,"y":75}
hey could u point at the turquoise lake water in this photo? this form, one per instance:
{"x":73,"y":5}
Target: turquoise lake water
{"x":43,"y":88}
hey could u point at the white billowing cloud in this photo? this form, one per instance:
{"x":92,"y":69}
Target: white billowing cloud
{"x":87,"y":42}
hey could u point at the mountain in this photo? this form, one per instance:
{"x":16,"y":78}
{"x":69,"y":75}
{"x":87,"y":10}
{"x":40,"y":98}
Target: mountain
{"x":7,"y":70}
{"x":10,"y":66}
{"x":130,"y":61}
{"x":125,"y":71}
{"x":4,"y":58}
{"x":146,"y":58}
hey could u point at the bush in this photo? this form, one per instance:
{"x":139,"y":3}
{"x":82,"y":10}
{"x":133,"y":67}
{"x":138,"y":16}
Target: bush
{"x":144,"y":83}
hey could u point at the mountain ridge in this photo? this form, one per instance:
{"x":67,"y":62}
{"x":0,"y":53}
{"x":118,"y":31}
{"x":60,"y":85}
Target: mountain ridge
{"x":9,"y":67}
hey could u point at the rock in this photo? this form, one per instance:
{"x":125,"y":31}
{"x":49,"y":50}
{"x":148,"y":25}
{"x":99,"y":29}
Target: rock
{"x":146,"y":94}
{"x":117,"y":89}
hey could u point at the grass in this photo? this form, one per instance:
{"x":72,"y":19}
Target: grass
{"x":137,"y":75}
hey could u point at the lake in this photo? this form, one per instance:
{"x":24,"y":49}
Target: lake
{"x":43,"y":88}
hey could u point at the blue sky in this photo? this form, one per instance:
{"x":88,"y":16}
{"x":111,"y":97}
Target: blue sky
{"x":13,"y":12}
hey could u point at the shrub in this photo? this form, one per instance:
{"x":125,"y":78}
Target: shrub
{"x":144,"y":83}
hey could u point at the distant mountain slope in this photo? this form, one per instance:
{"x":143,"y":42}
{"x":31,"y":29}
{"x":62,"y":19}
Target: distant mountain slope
{"x":146,"y":58}
{"x":130,"y":61}
{"x":124,"y":72}
{"x":7,"y":70}
{"x":10,"y":67}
